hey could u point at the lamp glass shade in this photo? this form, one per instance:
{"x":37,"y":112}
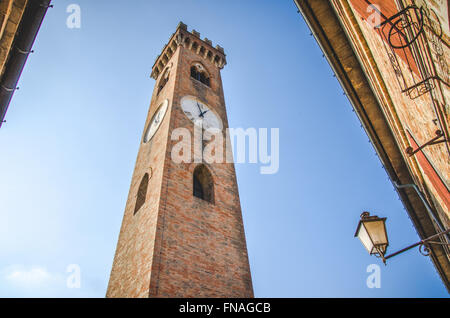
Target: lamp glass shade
{"x":365,"y":238}
{"x":372,"y":234}
{"x":377,"y":233}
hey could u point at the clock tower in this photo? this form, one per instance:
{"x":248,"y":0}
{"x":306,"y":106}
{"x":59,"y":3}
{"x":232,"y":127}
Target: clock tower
{"x":182,"y":233}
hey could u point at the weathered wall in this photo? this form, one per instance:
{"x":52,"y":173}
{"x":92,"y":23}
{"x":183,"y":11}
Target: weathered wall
{"x":413,"y":121}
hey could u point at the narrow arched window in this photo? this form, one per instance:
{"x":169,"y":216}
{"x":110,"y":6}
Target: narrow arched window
{"x":198,"y":72}
{"x":142,"y":193}
{"x":203,"y":186}
{"x":198,"y":188}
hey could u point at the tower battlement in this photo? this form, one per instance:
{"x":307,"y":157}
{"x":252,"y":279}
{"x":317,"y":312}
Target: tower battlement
{"x":191,"y":41}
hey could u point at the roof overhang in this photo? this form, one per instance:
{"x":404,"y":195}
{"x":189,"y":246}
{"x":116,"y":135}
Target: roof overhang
{"x":20,"y":49}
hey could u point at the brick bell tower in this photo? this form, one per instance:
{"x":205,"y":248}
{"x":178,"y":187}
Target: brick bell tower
{"x":182,"y":233}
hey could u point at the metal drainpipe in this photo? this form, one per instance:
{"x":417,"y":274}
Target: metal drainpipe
{"x":425,"y":202}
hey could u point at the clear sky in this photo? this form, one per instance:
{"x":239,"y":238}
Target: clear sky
{"x":69,"y":146}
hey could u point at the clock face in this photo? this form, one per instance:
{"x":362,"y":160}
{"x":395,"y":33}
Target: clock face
{"x":156,"y":120}
{"x":199,"y":113}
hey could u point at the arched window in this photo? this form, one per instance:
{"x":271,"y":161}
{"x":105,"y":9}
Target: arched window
{"x":203,"y":185}
{"x":198,"y":72}
{"x":164,"y":79}
{"x":142,"y":193}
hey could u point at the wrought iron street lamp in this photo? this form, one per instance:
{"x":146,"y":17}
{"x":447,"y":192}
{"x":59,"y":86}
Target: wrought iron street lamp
{"x":372,"y":233}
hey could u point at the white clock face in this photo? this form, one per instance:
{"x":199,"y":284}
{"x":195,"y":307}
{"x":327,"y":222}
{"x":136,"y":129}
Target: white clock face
{"x":199,"y":113}
{"x":156,"y":120}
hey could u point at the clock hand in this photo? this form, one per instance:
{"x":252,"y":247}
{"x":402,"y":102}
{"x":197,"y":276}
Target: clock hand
{"x":201,"y":114}
{"x":204,"y":112}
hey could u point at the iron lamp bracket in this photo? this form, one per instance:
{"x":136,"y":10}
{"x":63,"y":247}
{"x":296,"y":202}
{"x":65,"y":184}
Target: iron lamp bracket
{"x":435,"y":140}
{"x":424,"y":246}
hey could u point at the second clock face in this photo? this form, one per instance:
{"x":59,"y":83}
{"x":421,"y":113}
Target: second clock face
{"x":156,"y":121}
{"x":199,"y":113}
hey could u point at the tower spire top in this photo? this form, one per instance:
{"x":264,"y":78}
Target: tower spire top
{"x":191,"y":41}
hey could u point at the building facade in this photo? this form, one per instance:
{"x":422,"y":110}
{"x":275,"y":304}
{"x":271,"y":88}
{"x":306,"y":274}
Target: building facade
{"x":391,"y":58}
{"x":182,"y":233}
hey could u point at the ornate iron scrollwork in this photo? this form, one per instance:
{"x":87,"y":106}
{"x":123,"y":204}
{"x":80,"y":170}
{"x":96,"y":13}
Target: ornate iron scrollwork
{"x":424,"y":249}
{"x":406,"y":26}
{"x":412,"y":39}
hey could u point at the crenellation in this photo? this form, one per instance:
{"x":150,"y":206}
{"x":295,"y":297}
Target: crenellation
{"x":182,"y":26}
{"x":219,"y":48}
{"x":191,"y":41}
{"x":208,"y":41}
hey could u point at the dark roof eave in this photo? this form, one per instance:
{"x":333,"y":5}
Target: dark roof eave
{"x":30,"y":23}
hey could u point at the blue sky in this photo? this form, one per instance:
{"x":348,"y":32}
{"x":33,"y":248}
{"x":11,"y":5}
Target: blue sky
{"x":73,"y":130}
